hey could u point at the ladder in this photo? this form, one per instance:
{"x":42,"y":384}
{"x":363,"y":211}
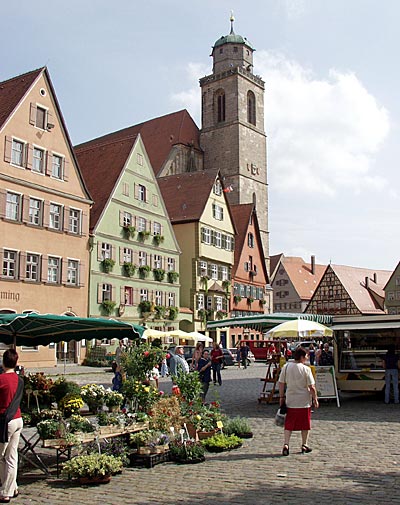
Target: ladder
{"x":267,"y":394}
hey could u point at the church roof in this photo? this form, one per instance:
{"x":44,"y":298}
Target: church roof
{"x":159,"y":135}
{"x":232,"y":38}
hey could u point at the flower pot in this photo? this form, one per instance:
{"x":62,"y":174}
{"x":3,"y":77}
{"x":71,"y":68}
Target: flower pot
{"x":101,"y":479}
{"x":206,"y":434}
{"x":108,"y":430}
{"x":192,"y":431}
{"x":245,"y":435}
{"x":144,"y":450}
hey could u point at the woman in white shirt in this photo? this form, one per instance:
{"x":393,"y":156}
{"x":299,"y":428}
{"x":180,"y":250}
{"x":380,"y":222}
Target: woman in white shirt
{"x":300,"y":392}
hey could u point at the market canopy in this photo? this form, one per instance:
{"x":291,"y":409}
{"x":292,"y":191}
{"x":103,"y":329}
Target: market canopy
{"x":42,"y":329}
{"x":299,"y":328}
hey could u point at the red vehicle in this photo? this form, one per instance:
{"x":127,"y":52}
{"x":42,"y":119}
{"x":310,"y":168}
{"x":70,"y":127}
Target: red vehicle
{"x":263,"y":349}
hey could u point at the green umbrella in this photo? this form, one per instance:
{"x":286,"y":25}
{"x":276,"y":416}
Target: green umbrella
{"x":42,"y":329}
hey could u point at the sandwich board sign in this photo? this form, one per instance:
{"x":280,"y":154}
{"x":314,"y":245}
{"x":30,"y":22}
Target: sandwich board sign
{"x":325,"y":382}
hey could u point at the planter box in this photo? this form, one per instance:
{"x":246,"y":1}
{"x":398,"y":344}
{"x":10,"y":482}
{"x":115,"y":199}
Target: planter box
{"x":148,"y":461}
{"x":85,"y":437}
{"x":109,"y":430}
{"x":56,"y":442}
{"x":104,"y":479}
{"x":206,"y":434}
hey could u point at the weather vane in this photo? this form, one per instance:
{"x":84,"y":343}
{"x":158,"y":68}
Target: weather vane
{"x":232,"y":19}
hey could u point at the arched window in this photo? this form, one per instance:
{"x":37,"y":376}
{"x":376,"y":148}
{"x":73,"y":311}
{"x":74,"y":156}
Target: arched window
{"x":251,"y":108}
{"x":220,"y":98}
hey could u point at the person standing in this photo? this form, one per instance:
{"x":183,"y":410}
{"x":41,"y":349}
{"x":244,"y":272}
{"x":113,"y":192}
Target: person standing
{"x":10,"y":398}
{"x":178,"y":364}
{"x":326,"y":356}
{"x":238,"y":358}
{"x":217,"y":356}
{"x":391,"y":365}
{"x":118,"y":352}
{"x":300,"y":393}
{"x":244,"y":352}
{"x":197,"y":354}
{"x":311,"y":354}
{"x":204,"y":369}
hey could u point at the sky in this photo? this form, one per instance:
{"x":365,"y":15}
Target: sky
{"x":332,"y":112}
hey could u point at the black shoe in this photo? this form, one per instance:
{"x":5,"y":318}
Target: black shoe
{"x":285,"y":450}
{"x":305,"y":448}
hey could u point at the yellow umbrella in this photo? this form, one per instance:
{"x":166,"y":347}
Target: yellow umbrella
{"x":299,"y":328}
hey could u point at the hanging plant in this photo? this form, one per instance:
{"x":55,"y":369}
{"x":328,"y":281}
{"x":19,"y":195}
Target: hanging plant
{"x":160,"y":311}
{"x":262,"y":301}
{"x":159,"y":274}
{"x":107,"y":264}
{"x":129,"y":268}
{"x":173,"y":313}
{"x":142,"y":235}
{"x":108,"y":306}
{"x":204,"y":315}
{"x":158,"y":239}
{"x":144,"y":306}
{"x":226,"y":285}
{"x":172,"y":276}
{"x":204,"y":282}
{"x":237,"y":299}
{"x":250,"y":300}
{"x":221,"y":314}
{"x":129,"y":231}
{"x":144,"y":271}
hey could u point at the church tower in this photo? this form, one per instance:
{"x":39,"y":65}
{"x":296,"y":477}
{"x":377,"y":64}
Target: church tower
{"x":232,"y":133}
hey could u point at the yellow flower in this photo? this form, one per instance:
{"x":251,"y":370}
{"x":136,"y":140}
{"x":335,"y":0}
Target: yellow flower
{"x":147,"y":389}
{"x":198,"y":417}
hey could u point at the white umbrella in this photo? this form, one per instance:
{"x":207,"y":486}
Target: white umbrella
{"x":299,"y":328}
{"x":200,"y":337}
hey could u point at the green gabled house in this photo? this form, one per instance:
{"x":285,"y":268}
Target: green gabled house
{"x":134,"y":256}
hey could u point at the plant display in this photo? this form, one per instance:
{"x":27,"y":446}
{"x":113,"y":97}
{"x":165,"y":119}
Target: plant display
{"x":129,"y":231}
{"x":115,"y":446}
{"x":172,"y":276}
{"x":113,"y":398}
{"x":50,"y":428}
{"x":187,"y":450}
{"x":221,"y":314}
{"x":159,"y":274}
{"x":237,"y":426}
{"x":108,"y":306}
{"x":226,"y":285}
{"x":143,"y":234}
{"x":41,"y":384}
{"x":144,"y":306}
{"x":189,"y":385}
{"x":70,"y":404}
{"x":140,"y":438}
{"x":93,"y":396}
{"x":129,"y":268}
{"x":79,"y":423}
{"x":204,"y":417}
{"x":92,"y":465}
{"x":50,"y":414}
{"x":250,"y":300}
{"x":237,"y":299}
{"x":62,"y":387}
{"x":158,"y":239}
{"x":166,"y":413}
{"x":173,"y":313}
{"x":140,"y":360}
{"x":141,"y":396}
{"x":107,"y":265}
{"x":221,"y":442}
{"x":144,"y":271}
{"x":160,"y":311}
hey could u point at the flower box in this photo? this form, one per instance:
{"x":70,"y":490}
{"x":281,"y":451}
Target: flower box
{"x":84,"y":437}
{"x":206,"y":434}
{"x":148,"y":460}
{"x":56,"y":442}
{"x":109,"y":430}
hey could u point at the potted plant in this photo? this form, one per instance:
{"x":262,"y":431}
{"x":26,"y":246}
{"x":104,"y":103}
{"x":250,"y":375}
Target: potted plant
{"x":221,"y":442}
{"x":71,"y":404}
{"x":238,"y":426}
{"x":142,"y":235}
{"x":140,"y":440}
{"x":262,"y":301}
{"x":160,"y":311}
{"x":144,"y":306}
{"x":159,"y":274}
{"x":237,"y":299}
{"x":186,"y":451}
{"x":172,"y":276}
{"x":108,"y":265}
{"x":226,"y":285}
{"x":129,"y":268}
{"x":92,"y":468}
{"x":250,"y":300}
{"x":129,"y":231}
{"x":113,"y":400}
{"x":220,"y":314}
{"x":62,"y":387}
{"x":108,"y":306}
{"x":173,"y":313}
{"x":93,"y":396}
{"x":144,"y":271}
{"x":80,"y":424}
{"x":158,"y":239}
{"x":49,"y":429}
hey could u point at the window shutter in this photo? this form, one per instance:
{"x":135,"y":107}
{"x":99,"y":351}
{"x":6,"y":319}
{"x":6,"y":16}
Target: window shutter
{"x":148,"y":225}
{"x":66,"y":219}
{"x":113,"y":293}
{"x":233,"y":244}
{"x":45,"y":264}
{"x":3,"y":202}
{"x":99,"y":251}
{"x":121,"y":218}
{"x":212,"y":237}
{"x":81,"y":274}
{"x":84,"y":224}
{"x":121,"y":255}
{"x":49,"y":119}
{"x":203,"y":235}
{"x":64,"y":271}
{"x":147,"y":195}
{"x":66,"y":170}
{"x":32,"y":114}
{"x":198,"y":268}
{"x":7,"y":149}
{"x":135,"y":190}
{"x":223,"y":241}
{"x":99,"y":292}
{"x":209,"y":271}
{"x":113,"y":252}
{"x":46,"y":214}
{"x":25,"y":209}
{"x":219,"y":272}
{"x":122,"y":295}
{"x":49,"y":163}
{"x":22,"y":266}
{"x":29,"y":156}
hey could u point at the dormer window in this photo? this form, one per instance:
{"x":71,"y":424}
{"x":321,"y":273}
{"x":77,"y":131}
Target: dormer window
{"x":40,"y":118}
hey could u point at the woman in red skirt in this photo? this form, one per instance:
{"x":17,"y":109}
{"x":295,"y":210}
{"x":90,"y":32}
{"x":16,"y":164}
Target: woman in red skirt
{"x":300,"y":392}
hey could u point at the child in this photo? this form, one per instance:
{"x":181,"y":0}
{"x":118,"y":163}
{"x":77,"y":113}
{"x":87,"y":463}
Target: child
{"x":117,"y":379}
{"x":154,"y":376}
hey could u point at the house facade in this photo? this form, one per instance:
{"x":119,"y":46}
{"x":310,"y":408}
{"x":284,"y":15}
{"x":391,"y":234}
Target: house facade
{"x":44,"y":211}
{"x":134,"y":261}
{"x":392,"y":292}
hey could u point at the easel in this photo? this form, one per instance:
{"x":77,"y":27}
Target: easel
{"x":271,"y":377}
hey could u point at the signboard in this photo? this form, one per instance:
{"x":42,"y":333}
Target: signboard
{"x":325,"y":382}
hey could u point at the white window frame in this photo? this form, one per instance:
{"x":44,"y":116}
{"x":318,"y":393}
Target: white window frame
{"x":171,"y":299}
{"x":156,"y":228}
{"x":200,"y":301}
{"x":203,"y":268}
{"x":74,"y":221}
{"x":224,"y":273}
{"x":18,"y":156}
{"x":214,"y":271}
{"x":158,"y":298}
{"x":38,"y":162}
{"x":55,"y":216}
{"x":219,"y":303}
{"x":106,"y":292}
{"x":144,"y":295}
{"x":106,"y":251}
{"x":13,"y":208}
{"x":127,"y":218}
{"x":141,"y":192}
{"x":32,"y":268}
{"x":72,"y":272}
{"x":127,"y":255}
{"x":207,"y":236}
{"x":229,"y":243}
{"x":141,"y":224}
{"x":218,"y":239}
{"x":142,"y":258}
{"x":218,"y":212}
{"x":53,"y":269}
{"x":35,"y":211}
{"x":57,"y":170}
{"x":157,"y":261}
{"x":217,"y":188}
{"x":170,"y":264}
{"x":9,"y":269}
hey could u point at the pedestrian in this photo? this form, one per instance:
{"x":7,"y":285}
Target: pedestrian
{"x":216,"y":361}
{"x":244,"y":352}
{"x":178,"y":364}
{"x":197,"y":354}
{"x":300,"y":393}
{"x":11,"y":391}
{"x":154,"y":376}
{"x":117,"y":379}
{"x":238,"y":358}
{"x":118,"y":352}
{"x":311,"y":354}
{"x":164,"y":367}
{"x":326,"y":356}
{"x":204,"y":369}
{"x":391,"y":365}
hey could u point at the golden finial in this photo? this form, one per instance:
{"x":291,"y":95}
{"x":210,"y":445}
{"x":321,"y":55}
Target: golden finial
{"x":232,"y":19}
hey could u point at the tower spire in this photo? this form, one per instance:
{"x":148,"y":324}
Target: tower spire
{"x":232,"y":19}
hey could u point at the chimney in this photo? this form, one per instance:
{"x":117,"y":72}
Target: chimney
{"x":367,"y":282}
{"x":375,"y":278}
{"x":313,"y":264}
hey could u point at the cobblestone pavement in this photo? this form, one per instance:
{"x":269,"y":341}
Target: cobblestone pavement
{"x":355,"y":459}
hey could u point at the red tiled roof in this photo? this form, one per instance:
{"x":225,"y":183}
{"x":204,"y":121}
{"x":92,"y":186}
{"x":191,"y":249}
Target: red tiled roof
{"x":185,"y":310}
{"x":241,"y":216}
{"x":159,"y":136}
{"x":299,"y":273}
{"x":273,"y":263}
{"x":185,"y":195}
{"x":101,"y":166}
{"x":13,"y":90}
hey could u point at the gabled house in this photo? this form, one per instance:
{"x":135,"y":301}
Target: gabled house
{"x":204,"y":228}
{"x":134,"y":261}
{"x":392,"y":292}
{"x":349,"y":290}
{"x":294,"y":282}
{"x":250,"y":293}
{"x":44,"y":211}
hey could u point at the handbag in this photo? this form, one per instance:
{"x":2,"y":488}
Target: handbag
{"x":10,"y":412}
{"x":280,"y":417}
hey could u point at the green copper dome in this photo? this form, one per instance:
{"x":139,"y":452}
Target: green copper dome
{"x":232,"y":38}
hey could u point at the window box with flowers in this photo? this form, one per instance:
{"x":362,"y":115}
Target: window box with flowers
{"x":159,"y":274}
{"x":129,"y":231}
{"x":107,"y":265}
{"x":250,"y":300}
{"x":172,"y":276}
{"x":144,"y":271}
{"x":262,"y":301}
{"x":237,"y":299}
{"x":144,"y":306}
{"x":108,"y":306}
{"x":160,"y":311}
{"x":143,"y":235}
{"x":158,"y":239}
{"x":221,"y":314}
{"x":129,"y":268}
{"x":173,"y":313}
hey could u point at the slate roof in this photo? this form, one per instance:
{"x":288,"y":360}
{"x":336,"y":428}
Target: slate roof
{"x":185,"y":195}
{"x":101,"y":166}
{"x":13,"y":90}
{"x":159,"y":136}
{"x":353,"y":280}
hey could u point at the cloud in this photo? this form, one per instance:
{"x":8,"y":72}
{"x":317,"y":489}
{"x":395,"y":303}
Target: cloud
{"x":191,"y":98}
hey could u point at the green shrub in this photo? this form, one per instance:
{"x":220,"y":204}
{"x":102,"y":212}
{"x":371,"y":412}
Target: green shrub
{"x":62,"y":387}
{"x":221,"y":442}
{"x":92,"y":465}
{"x":237,"y":426}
